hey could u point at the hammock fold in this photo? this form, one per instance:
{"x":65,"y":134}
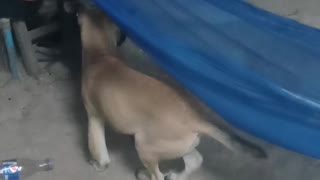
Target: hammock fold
{"x":259,"y":71}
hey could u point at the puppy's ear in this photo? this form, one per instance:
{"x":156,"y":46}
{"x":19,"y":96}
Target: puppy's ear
{"x":79,"y":18}
{"x":121,"y":37}
{"x":79,"y":13}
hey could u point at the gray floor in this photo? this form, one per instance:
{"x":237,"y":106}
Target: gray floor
{"x":45,"y":118}
{"x":304,"y":11}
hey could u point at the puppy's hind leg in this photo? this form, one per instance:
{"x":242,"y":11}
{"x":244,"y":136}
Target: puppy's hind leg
{"x":192,"y":161}
{"x":97,"y":143}
{"x":152,"y":171}
{"x":148,"y":155}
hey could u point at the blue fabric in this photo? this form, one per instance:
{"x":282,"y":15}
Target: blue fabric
{"x":257,"y":70}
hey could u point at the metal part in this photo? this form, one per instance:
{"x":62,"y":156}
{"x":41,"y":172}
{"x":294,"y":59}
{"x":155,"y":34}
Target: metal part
{"x":25,"y":45}
{"x":12,"y":54}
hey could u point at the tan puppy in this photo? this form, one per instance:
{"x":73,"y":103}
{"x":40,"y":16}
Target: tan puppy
{"x":163,"y":123}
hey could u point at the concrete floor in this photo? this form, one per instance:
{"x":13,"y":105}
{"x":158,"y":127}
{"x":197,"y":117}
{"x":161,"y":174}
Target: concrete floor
{"x":45,"y":118}
{"x":304,"y":11}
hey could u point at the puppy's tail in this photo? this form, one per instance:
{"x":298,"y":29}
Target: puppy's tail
{"x":233,"y":142}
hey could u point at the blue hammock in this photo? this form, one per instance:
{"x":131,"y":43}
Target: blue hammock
{"x":257,"y":70}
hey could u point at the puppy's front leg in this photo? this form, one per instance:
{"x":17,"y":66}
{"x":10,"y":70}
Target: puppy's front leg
{"x":97,"y":143}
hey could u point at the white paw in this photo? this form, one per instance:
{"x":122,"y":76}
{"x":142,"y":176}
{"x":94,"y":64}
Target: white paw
{"x":171,"y":176}
{"x":142,"y":174}
{"x":99,"y":166}
{"x":176,"y":176}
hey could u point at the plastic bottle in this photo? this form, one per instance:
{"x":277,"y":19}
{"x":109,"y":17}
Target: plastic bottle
{"x":23,"y":168}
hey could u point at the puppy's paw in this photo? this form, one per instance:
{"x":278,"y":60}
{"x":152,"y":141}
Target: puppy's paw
{"x":176,"y":176}
{"x":99,"y":166}
{"x":171,"y":176}
{"x":142,"y":174}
